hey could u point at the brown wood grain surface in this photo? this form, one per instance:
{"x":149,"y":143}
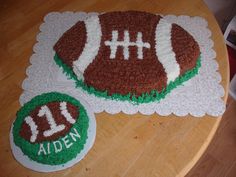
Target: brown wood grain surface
{"x":127,"y":146}
{"x":219,"y":160}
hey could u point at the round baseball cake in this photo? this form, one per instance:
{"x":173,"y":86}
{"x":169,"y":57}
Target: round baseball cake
{"x":52,"y":131}
{"x":130,"y":54}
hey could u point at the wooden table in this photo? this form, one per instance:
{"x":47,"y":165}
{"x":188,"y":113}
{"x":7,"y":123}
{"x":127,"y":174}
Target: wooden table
{"x":139,"y":146}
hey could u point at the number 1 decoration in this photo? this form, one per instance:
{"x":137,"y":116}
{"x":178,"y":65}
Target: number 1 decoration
{"x":54,"y":128}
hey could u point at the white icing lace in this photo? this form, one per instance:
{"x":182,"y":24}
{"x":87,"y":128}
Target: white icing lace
{"x":190,"y":98}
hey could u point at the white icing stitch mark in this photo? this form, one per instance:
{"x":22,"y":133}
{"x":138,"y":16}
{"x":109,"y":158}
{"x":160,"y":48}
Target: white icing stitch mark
{"x":114,"y":43}
{"x":164,"y":50}
{"x":54,"y":128}
{"x":126,"y":45}
{"x":111,"y":43}
{"x":65,"y":113}
{"x":33,"y":128}
{"x":94,"y":34}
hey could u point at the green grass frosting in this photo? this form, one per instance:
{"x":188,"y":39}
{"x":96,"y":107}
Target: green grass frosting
{"x":154,"y":95}
{"x":31,"y":149}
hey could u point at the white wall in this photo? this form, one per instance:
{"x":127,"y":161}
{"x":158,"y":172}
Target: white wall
{"x":224,"y":10}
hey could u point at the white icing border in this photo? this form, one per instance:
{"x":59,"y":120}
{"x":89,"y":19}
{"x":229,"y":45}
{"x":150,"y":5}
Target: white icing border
{"x":164,"y":50}
{"x":43,"y":75}
{"x":33,"y":165}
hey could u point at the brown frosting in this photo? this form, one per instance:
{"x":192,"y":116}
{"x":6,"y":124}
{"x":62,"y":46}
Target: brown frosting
{"x":71,"y":44}
{"x":43,"y":125}
{"x":134,"y":75}
{"x":185,"y":47}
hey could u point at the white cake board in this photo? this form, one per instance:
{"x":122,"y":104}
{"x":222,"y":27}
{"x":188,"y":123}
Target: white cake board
{"x":39,"y":167}
{"x":199,"y":96}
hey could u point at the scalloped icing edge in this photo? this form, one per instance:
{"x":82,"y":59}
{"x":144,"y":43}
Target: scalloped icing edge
{"x":154,"y":95}
{"x":24,"y":97}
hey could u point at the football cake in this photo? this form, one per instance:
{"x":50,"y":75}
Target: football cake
{"x":51,"y":132}
{"x":128,"y":55}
